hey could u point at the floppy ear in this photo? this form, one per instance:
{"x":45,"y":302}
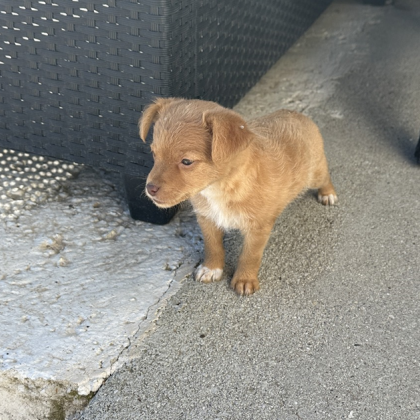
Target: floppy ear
{"x":151,"y":115}
{"x":229,"y":132}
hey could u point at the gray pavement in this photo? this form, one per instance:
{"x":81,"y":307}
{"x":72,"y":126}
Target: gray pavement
{"x":334,"y":332}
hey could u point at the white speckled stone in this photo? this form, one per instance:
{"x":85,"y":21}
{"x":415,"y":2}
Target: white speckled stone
{"x":78,"y":276}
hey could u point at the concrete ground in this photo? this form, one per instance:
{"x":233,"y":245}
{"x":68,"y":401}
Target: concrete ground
{"x":334,"y":332}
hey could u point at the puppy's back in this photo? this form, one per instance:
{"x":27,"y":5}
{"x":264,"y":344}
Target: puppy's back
{"x":293,"y":148}
{"x":286,"y":126}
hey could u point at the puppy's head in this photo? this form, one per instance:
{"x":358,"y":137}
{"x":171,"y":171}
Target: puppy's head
{"x":193,"y":144}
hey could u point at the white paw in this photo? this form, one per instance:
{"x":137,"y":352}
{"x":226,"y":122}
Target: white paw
{"x":206,"y":275}
{"x":327,"y":200}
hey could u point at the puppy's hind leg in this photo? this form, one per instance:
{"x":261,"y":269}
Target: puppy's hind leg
{"x":214,"y":253}
{"x":322,"y":182}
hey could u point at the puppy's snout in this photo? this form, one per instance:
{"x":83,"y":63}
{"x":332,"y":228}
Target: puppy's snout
{"x":152,"y":189}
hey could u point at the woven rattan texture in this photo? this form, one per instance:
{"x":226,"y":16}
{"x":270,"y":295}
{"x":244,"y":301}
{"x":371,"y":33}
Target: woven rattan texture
{"x":226,"y":46}
{"x":75,"y":74}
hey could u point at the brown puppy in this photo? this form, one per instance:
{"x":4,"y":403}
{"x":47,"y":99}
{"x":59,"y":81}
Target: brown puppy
{"x":237,"y":174}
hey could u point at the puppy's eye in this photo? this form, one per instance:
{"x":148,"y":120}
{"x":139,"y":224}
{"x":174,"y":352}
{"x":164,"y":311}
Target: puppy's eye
{"x":187,"y":162}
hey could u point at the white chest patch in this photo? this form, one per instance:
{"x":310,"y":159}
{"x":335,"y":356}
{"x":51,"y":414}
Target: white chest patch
{"x":218,"y":210}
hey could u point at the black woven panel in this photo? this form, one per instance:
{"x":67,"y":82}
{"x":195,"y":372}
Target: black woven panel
{"x":220,"y":49}
{"x":75,"y":75}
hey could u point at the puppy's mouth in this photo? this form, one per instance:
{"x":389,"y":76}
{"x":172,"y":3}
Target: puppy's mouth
{"x":164,"y":204}
{"x":162,"y":200}
{"x":159,"y":203}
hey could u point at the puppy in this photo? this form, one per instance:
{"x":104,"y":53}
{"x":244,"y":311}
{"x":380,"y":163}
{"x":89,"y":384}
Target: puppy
{"x":237,"y":174}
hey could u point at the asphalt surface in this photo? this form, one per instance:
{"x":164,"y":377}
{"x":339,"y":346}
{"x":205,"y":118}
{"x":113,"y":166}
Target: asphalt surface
{"x":334,"y":332}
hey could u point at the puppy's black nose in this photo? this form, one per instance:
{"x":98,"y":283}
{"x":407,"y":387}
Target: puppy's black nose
{"x":152,"y":189}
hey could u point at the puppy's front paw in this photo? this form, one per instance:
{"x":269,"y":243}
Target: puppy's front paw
{"x":327,"y":200}
{"x":206,"y":275}
{"x":245,"y":286}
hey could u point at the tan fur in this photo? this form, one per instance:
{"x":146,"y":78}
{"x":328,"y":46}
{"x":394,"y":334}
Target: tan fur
{"x":242,"y":177}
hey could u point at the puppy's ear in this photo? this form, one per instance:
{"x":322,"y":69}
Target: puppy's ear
{"x":151,"y":115}
{"x":229,"y":132}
